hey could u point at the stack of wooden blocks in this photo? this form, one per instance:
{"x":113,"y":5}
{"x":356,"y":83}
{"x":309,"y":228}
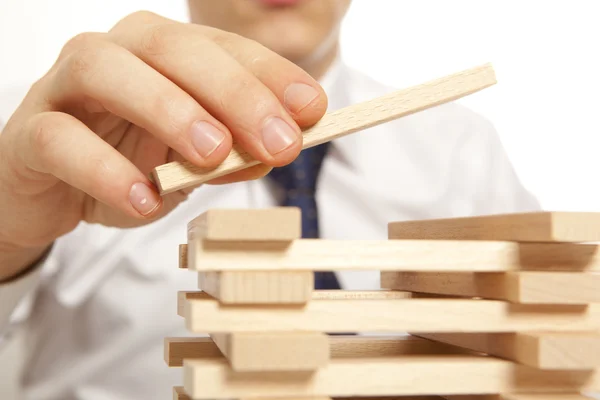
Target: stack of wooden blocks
{"x":492,"y":307}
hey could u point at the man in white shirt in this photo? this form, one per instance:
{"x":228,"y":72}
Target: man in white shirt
{"x":90,"y":245}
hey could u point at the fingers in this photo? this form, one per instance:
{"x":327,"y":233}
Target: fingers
{"x":302,"y":96}
{"x":230,"y":92}
{"x":60,"y":145}
{"x":140,"y":94}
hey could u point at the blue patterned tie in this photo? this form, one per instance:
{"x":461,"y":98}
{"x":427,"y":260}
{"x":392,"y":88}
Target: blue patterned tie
{"x":298,"y":180}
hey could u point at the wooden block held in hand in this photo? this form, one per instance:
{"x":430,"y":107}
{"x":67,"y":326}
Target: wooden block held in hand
{"x":179,"y":175}
{"x":280,"y":351}
{"x":516,"y":287}
{"x":540,"y":226}
{"x":258,"y":287}
{"x":543,"y":350}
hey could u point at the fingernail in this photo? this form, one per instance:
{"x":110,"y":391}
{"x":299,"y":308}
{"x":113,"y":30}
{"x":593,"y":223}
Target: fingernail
{"x":298,"y":95}
{"x":278,"y":135}
{"x":143,"y":198}
{"x":206,"y":137}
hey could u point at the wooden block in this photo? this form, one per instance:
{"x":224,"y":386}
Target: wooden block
{"x":517,"y":287}
{"x":204,"y":314}
{"x":176,"y":349}
{"x":182,"y":296}
{"x":258,"y":287}
{"x":393,"y":255}
{"x":384,"y":376}
{"x":183,"y":256}
{"x":537,"y":396}
{"x":179,"y":394}
{"x":179,"y":175}
{"x":278,"y":224}
{"x":340,"y":346}
{"x":281,"y":351}
{"x":547,"y":350}
{"x":540,"y":226}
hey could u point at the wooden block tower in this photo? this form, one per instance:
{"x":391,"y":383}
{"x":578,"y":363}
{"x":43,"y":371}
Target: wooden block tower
{"x":501,"y":307}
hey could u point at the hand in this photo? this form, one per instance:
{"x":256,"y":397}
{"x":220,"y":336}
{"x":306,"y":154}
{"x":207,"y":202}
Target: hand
{"x":115,"y":105}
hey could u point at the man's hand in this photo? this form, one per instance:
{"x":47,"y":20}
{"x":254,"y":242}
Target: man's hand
{"x":115,"y":105}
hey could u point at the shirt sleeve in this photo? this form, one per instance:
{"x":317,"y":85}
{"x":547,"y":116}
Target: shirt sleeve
{"x":14,"y":291}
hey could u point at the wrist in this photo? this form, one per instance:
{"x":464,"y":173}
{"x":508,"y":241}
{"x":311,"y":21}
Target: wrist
{"x":16,"y":262}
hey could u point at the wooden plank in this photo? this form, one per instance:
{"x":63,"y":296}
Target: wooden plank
{"x":384,"y":376}
{"x":542,"y":226}
{"x":393,"y":255}
{"x":204,"y":314}
{"x":544,"y":350}
{"x":316,"y":295}
{"x":179,"y":394}
{"x":179,"y":175}
{"x":183,"y":256}
{"x":517,"y":287}
{"x":281,"y":351}
{"x":536,"y":396}
{"x":278,"y":224}
{"x":340,"y":346}
{"x":178,"y":348}
{"x":258,"y":287}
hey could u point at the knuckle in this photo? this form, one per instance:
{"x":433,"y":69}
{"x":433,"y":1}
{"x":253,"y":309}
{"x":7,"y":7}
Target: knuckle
{"x":80,"y":64}
{"x":224,"y":39}
{"x":44,"y":136}
{"x":99,"y":171}
{"x":177,"y":116}
{"x":81,"y":40}
{"x":157,"y":40}
{"x":138,"y":17}
{"x":244,"y":84}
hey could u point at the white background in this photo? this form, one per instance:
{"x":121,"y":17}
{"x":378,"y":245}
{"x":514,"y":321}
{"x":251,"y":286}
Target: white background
{"x":545,"y":54}
{"x":545,"y":105}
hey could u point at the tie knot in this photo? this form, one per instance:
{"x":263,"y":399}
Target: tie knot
{"x":300,"y":176}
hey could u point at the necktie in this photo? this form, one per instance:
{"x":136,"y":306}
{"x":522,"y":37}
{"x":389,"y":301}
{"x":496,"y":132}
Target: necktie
{"x":298,"y":181}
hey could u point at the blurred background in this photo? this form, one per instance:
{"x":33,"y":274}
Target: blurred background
{"x":545,"y":54}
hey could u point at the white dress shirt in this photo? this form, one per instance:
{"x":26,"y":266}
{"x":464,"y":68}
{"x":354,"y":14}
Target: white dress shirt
{"x":106,"y":297}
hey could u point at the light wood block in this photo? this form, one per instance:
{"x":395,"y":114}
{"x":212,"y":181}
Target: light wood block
{"x":384,"y":376}
{"x":178,"y":348}
{"x":340,"y":346}
{"x":179,"y":394}
{"x":258,"y":287}
{"x":174,"y":176}
{"x":548,"y":350}
{"x":540,"y":226}
{"x":203,"y":314}
{"x":281,"y":351}
{"x":517,"y":287}
{"x":393,"y":255}
{"x":182,"y":296}
{"x":278,"y":224}
{"x":538,"y":396}
{"x":183,"y":256}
